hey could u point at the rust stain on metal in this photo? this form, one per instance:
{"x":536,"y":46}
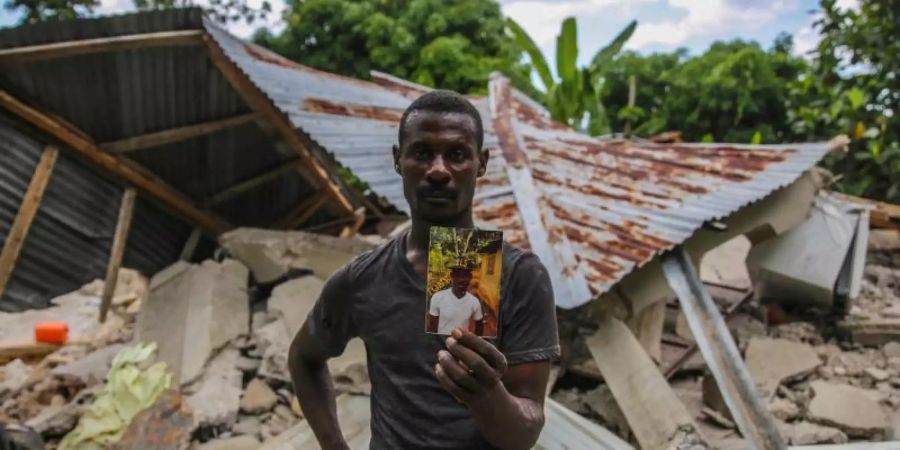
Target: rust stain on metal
{"x":534,"y":118}
{"x":503,"y":126}
{"x":321,"y":105}
{"x":164,"y":426}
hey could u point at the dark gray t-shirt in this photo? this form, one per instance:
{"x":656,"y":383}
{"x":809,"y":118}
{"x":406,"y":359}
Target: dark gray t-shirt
{"x":380,"y":298}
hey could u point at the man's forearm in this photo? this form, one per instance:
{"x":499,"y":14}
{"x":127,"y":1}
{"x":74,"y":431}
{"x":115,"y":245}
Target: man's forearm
{"x":315,"y":392}
{"x":507,"y":421}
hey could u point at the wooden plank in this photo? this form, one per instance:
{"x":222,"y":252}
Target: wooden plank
{"x":12,"y":350}
{"x":654,"y":412}
{"x":720,"y":353}
{"x":358,"y":220}
{"x":254,"y":181}
{"x":187,"y":252}
{"x":12,"y":246}
{"x":302,"y":212}
{"x":109,"y":44}
{"x":120,"y":240}
{"x":882,"y":215}
{"x":132,"y":173}
{"x":260,"y":103}
{"x":176,"y":134}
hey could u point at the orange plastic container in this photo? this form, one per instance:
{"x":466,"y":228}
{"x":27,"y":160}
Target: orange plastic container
{"x":51,"y":332}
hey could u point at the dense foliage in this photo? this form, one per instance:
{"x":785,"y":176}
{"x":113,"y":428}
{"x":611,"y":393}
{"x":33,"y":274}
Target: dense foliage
{"x":574,"y":96}
{"x":219,"y":10}
{"x":738,"y":92}
{"x":454,"y":45}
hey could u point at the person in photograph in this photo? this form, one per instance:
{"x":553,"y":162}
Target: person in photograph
{"x":431,"y":391}
{"x":455,"y":307}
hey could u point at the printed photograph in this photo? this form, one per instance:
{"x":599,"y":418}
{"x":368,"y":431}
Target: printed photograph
{"x":463,"y":283}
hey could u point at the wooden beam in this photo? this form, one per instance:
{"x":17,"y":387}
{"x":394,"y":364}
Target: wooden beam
{"x":254,"y":181}
{"x":720,"y":353}
{"x":359,"y":217}
{"x":33,"y":53}
{"x":176,"y":134}
{"x":120,"y":240}
{"x":302,"y":212}
{"x":261,"y":103}
{"x":132,"y":173}
{"x":27,"y":211}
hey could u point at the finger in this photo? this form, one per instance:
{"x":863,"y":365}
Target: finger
{"x":457,"y":372}
{"x":448,"y":384}
{"x":479,"y":368}
{"x":483,"y":348}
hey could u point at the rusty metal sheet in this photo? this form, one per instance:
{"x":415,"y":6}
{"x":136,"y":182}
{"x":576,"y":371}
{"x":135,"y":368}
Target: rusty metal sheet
{"x":603,"y":207}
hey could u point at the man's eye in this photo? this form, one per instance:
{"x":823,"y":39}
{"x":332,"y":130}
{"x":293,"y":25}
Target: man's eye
{"x":421,"y":154}
{"x":457,"y":155}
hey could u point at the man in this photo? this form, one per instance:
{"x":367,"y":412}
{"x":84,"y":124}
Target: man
{"x":431,"y":391}
{"x":455,"y":307}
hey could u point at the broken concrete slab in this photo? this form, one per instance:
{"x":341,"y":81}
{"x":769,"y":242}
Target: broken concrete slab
{"x":271,"y":254}
{"x":773,"y":361}
{"x":57,"y":420}
{"x":872,"y":332}
{"x":294,"y":299}
{"x":891,"y":350}
{"x":13,"y":375}
{"x":235,"y":443}
{"x":258,"y":397}
{"x":784,"y":409}
{"x":194,"y":310}
{"x":215,"y":397}
{"x":247,"y":425}
{"x":805,"y":433}
{"x":653,"y":411}
{"x":166,"y":425}
{"x":848,"y":408}
{"x":726,"y":264}
{"x":92,"y":368}
{"x":354,"y":415}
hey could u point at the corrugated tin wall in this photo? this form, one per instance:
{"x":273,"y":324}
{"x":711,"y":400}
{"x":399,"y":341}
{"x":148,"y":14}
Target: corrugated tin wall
{"x":68,"y":243}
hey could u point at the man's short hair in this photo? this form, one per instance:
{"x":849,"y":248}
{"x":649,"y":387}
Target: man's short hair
{"x":443,"y":101}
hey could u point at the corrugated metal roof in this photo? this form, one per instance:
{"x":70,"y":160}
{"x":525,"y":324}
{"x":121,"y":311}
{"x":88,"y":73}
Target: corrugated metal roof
{"x":593,"y":209}
{"x":69,"y":240}
{"x":121,"y":94}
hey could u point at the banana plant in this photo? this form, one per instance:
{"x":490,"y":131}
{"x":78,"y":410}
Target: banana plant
{"x":574,"y":97}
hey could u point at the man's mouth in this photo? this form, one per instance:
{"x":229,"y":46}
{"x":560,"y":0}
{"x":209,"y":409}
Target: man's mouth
{"x":439,"y":197}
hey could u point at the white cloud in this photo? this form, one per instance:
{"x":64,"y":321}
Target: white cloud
{"x":710,"y":18}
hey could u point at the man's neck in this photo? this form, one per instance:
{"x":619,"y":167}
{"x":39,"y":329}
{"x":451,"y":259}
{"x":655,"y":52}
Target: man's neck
{"x":458,"y":294}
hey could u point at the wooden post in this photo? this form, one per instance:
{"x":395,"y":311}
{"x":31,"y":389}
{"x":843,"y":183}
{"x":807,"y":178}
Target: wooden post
{"x":191,"y":244}
{"x":302,"y":212}
{"x":173,"y":135}
{"x":120,"y":239}
{"x":27,"y":210}
{"x":358,"y":220}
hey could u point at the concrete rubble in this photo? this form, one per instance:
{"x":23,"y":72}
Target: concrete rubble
{"x":224,"y":328}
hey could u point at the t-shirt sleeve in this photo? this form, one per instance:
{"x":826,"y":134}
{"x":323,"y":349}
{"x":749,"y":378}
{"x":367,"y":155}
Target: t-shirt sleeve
{"x":330,"y":322}
{"x":435,"y":308}
{"x":529,"y":331}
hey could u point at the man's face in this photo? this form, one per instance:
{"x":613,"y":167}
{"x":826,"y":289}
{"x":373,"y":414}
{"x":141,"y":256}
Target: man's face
{"x":440,"y":162}
{"x":460,"y":279}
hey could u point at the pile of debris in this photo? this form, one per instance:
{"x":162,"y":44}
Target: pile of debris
{"x":215,"y":334}
{"x":827,"y":376}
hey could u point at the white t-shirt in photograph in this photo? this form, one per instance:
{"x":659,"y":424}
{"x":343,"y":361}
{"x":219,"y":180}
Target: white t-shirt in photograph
{"x":454,"y":312}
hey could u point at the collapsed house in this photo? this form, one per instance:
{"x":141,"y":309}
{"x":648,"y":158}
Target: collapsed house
{"x":143,"y":139}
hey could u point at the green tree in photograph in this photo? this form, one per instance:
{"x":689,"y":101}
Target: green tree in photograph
{"x":574,"y":97}
{"x":447,"y":44}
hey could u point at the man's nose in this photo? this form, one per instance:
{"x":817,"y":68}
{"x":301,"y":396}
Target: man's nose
{"x":438,"y":172}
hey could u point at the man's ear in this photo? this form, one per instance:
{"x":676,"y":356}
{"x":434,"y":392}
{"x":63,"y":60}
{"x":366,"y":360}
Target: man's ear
{"x":396,"y":150}
{"x":483,"y":157}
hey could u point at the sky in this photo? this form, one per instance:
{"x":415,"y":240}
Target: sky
{"x":663,"y":25}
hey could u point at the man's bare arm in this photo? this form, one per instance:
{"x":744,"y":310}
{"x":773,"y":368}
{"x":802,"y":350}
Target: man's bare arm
{"x":479,"y":327}
{"x":312,"y":384}
{"x":506,"y":403}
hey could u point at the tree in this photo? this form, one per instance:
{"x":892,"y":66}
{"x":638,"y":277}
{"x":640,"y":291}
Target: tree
{"x":853,"y":87}
{"x":447,"y":44}
{"x":222,"y":11}
{"x":34,"y":11}
{"x":574,"y":98}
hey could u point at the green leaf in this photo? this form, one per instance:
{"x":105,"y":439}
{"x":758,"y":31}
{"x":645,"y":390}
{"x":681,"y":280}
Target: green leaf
{"x":757,"y":138}
{"x":856,"y":97}
{"x":707,"y":138}
{"x":606,"y":54}
{"x":524,"y":41}
{"x":567,"y":49}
